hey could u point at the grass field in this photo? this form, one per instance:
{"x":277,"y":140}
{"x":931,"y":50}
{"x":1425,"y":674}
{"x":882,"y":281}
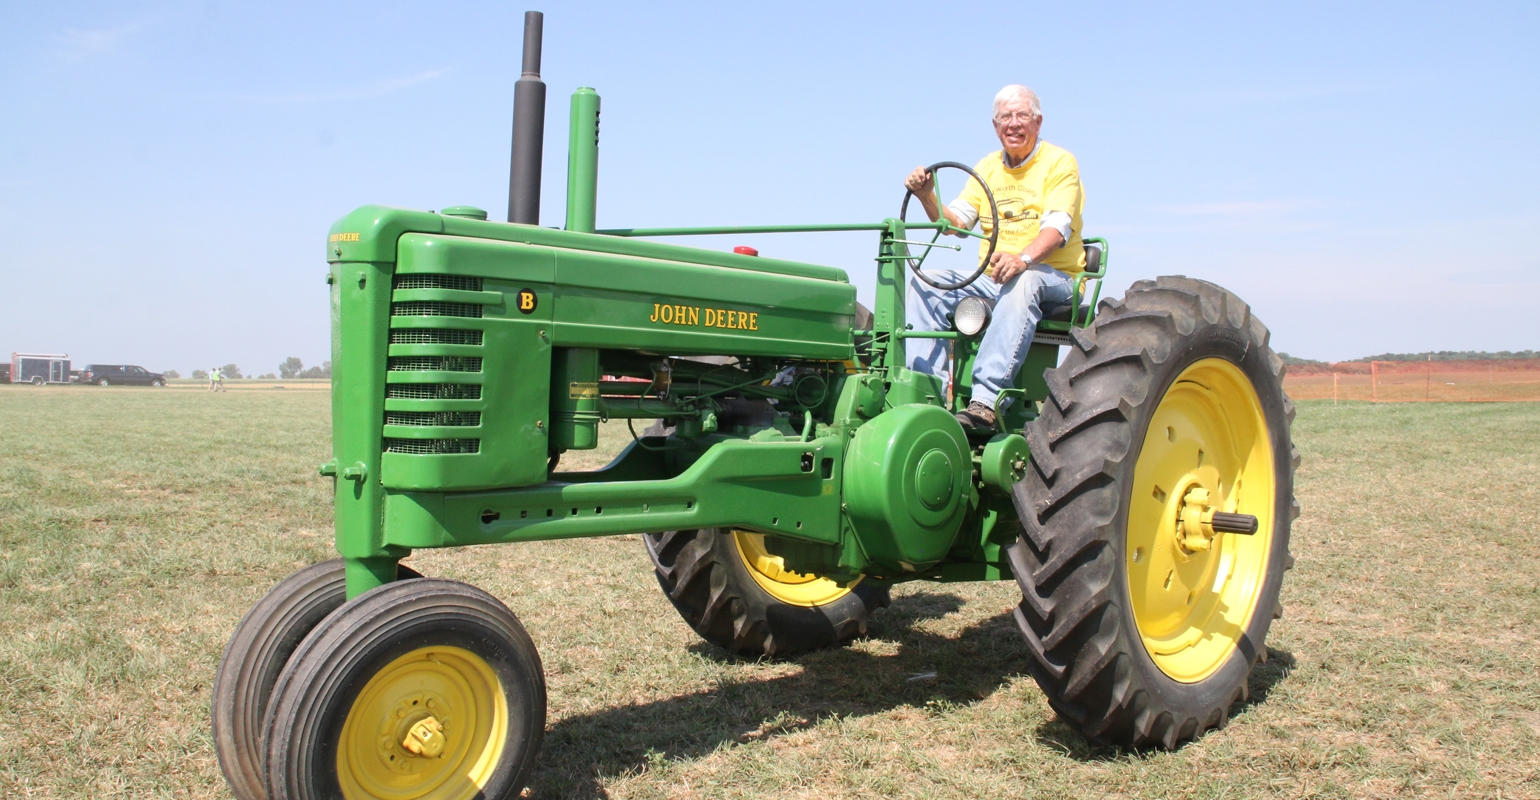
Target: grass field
{"x":136,"y":526}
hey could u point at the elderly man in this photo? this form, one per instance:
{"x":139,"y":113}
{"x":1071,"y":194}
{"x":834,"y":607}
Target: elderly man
{"x":1036,"y":187}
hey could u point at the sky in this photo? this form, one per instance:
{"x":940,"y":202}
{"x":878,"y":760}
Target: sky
{"x":1363,"y":174}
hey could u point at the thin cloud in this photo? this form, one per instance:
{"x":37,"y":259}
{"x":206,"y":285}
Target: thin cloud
{"x":1236,"y":208}
{"x":76,"y":44}
{"x":373,"y":90}
{"x":1282,"y":94}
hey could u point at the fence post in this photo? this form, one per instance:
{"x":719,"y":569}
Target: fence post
{"x":1427,"y":388}
{"x":1374,"y":380}
{"x":1334,"y":388}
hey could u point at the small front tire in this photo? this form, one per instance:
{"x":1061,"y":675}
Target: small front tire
{"x":425,"y":688}
{"x":259,"y":648}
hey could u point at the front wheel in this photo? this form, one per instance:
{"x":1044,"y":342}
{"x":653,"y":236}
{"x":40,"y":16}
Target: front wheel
{"x":423,"y":688}
{"x":737,"y":595}
{"x":259,"y":648}
{"x":157,"y":382}
{"x":1164,"y":437}
{"x":103,"y":382}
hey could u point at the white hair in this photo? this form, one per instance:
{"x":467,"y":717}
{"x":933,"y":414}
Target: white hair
{"x":1017,"y":90}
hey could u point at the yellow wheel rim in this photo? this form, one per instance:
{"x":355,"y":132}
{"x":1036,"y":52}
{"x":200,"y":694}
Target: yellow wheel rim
{"x":794,"y":588}
{"x":430,"y":724}
{"x":1207,"y":434}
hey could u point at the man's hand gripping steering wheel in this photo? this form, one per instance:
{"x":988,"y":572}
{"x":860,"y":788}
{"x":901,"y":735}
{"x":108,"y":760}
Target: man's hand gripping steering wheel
{"x":1005,"y":268}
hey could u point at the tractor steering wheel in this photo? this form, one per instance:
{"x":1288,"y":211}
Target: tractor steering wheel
{"x":994,"y":228}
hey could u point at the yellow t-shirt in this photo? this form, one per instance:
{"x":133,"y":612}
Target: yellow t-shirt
{"x":1048,"y":181}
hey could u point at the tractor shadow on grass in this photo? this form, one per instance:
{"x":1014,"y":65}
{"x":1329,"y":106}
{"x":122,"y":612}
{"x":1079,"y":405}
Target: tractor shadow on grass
{"x":1059,"y":735}
{"x":917,"y":668}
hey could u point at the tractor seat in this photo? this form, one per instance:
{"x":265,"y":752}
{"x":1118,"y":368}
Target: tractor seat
{"x":1093,"y":265}
{"x":1060,"y":313}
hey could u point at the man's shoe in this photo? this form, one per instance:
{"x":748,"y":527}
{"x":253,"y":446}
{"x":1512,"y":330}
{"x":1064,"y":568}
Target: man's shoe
{"x":977,"y":417}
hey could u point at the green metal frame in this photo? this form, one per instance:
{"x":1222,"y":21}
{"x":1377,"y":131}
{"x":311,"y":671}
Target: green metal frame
{"x":466,"y":352}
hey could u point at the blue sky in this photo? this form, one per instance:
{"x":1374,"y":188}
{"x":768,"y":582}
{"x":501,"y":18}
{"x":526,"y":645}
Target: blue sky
{"x":1363,"y":174}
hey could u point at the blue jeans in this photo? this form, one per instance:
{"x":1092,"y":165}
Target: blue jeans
{"x":1018,"y":306}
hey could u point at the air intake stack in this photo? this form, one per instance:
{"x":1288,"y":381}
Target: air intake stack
{"x":528,"y":129}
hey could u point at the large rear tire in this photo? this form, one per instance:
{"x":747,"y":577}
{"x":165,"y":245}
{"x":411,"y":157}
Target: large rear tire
{"x":736,"y":595}
{"x":262,"y":643}
{"x":1143,"y":628}
{"x":416,"y":689}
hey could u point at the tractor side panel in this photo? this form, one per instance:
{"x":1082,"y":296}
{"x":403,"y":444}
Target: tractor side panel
{"x":467,"y":379}
{"x":608,"y":300}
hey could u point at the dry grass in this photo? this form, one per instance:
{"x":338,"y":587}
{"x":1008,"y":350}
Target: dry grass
{"x":137,"y":526}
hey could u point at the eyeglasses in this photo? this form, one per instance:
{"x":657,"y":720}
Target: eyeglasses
{"x":1015,"y":116}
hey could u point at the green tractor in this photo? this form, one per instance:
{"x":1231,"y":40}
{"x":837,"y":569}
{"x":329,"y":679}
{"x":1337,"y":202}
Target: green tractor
{"x":1139,"y":490}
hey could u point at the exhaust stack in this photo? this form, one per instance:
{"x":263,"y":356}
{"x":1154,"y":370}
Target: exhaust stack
{"x":528,"y":129}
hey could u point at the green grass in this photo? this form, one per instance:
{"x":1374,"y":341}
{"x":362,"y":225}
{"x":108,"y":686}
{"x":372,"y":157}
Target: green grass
{"x":137,"y":526}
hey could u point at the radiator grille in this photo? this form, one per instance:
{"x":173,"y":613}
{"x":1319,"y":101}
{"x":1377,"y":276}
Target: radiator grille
{"x":434,"y":308}
{"x":433,"y":391}
{"x":434,"y":336}
{"x":434,"y":418}
{"x":429,"y":447}
{"x":464,"y":283}
{"x":434,"y":364}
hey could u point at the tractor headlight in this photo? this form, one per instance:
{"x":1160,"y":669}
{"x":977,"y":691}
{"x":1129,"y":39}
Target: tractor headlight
{"x":971,"y":316}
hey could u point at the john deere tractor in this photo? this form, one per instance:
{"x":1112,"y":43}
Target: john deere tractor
{"x":1139,"y":488}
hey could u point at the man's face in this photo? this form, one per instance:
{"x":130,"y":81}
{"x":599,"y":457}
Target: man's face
{"x":1016,"y":126}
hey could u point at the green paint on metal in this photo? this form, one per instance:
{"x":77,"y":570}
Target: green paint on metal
{"x":583,"y":161}
{"x":907,"y":485}
{"x":467,"y":351}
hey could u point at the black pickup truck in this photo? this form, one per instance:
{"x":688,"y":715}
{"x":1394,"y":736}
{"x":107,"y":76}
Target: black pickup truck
{"x":120,"y":375}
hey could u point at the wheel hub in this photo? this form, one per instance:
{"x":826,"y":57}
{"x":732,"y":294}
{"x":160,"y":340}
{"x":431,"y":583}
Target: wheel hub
{"x":430,"y":723}
{"x":1205,"y":468}
{"x":425,"y":738}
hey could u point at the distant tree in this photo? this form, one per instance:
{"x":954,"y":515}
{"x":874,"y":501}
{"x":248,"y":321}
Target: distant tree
{"x":1297,"y":361}
{"x":200,"y":374}
{"x":171,"y":373}
{"x":231,"y":371}
{"x":268,"y":377}
{"x":323,"y":371}
{"x":291,"y":368}
{"x":1452,"y":355}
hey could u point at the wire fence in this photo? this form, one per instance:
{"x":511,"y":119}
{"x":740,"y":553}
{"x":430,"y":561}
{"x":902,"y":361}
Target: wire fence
{"x":1479,"y":381}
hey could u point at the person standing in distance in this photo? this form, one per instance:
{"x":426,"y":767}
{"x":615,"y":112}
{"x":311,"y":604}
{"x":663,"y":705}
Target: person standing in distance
{"x":1036,"y":186}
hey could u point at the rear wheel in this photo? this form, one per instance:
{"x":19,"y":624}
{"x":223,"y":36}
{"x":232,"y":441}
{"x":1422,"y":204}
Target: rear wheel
{"x":737,"y":595}
{"x":416,"y":689}
{"x":257,"y":652}
{"x":1143,"y":620}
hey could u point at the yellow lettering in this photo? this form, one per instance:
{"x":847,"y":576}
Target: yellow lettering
{"x":732,"y":320}
{"x":668,"y":314}
{"x":721,"y":318}
{"x":711,"y":318}
{"x":753,"y":322}
{"x":654,"y":317}
{"x":694,"y":315}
